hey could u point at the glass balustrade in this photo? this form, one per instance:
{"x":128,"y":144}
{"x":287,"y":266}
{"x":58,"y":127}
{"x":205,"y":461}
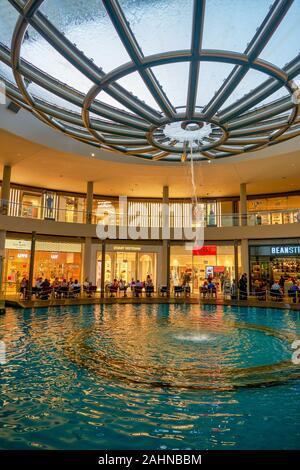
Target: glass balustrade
{"x":72,"y":210}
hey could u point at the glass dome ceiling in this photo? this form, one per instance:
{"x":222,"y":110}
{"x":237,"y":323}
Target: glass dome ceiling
{"x":155,"y":78}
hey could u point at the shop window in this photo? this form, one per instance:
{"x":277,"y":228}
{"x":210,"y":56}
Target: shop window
{"x":71,"y":209}
{"x":127,"y":265}
{"x":31,"y":205}
{"x":197,"y":265}
{"x":16,"y":264}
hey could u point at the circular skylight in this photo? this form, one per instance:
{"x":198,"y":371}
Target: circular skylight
{"x":157,"y":79}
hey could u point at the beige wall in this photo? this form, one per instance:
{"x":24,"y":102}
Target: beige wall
{"x":49,"y":227}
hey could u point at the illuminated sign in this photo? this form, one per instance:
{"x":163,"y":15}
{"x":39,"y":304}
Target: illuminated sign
{"x":127,"y":248}
{"x":205,"y":251}
{"x":285,"y":250}
{"x":275,"y":250}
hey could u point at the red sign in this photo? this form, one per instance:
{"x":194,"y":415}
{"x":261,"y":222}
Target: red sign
{"x":219,"y":269}
{"x":205,"y":251}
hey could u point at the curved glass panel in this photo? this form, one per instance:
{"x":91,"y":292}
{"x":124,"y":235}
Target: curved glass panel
{"x":160,"y":25}
{"x":89,"y":27}
{"x":8,"y":18}
{"x":251,"y":80}
{"x":281,"y":93}
{"x":109,"y":100}
{"x":135,"y":84}
{"x":42,"y":55}
{"x":7,"y":73}
{"x":284,"y":44}
{"x":46,"y":95}
{"x":231,"y":24}
{"x":174,"y":81}
{"x":211,"y":77}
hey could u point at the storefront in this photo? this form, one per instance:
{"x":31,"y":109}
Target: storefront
{"x":129,"y":262}
{"x":52,"y":259}
{"x":214,"y":261}
{"x":270,"y":262}
{"x":274,"y":210}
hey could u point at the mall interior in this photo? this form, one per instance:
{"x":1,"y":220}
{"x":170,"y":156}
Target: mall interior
{"x":74,"y":140}
{"x":149,"y":229}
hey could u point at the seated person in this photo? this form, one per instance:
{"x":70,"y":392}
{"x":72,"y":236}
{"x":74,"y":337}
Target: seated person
{"x":38,"y":286}
{"x":204,"y":289}
{"x":24,"y":287}
{"x":149,"y":287}
{"x":186,"y":288}
{"x":212,"y":288}
{"x":75,"y":287}
{"x":276,"y":290}
{"x":138,"y":288}
{"x":45,"y":290}
{"x":293,"y":291}
{"x":113,"y":288}
{"x":123,"y":287}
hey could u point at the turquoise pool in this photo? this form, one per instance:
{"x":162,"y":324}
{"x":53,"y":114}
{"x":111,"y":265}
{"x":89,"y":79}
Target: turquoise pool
{"x":149,"y":377}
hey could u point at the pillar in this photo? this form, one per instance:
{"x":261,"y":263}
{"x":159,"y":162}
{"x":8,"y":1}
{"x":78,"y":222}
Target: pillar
{"x":5,"y":189}
{"x":103,"y":252}
{"x":87,"y":258}
{"x":31,"y":266}
{"x":89,"y":201}
{"x":165,"y":271}
{"x":236,"y":262}
{"x":245,"y":259}
{"x":243,"y":204}
{"x":2,"y":257}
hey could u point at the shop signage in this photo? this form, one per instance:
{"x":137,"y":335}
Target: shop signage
{"x":275,"y":250}
{"x":219,"y":269}
{"x":17,"y":244}
{"x":127,"y":248}
{"x":205,"y":251}
{"x":285,"y":250}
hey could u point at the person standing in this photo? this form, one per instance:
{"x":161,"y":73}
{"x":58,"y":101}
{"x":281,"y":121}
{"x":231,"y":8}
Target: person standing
{"x":243,"y":287}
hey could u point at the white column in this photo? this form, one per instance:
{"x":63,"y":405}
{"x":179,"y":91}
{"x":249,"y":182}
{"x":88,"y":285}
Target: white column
{"x":243,"y":204}
{"x":87,"y":258}
{"x":165,"y":271}
{"x":5,"y":191}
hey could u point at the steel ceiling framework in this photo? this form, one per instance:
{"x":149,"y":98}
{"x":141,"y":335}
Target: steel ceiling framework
{"x":139,"y":132}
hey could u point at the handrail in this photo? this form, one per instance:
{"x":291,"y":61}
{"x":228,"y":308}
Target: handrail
{"x":45,"y":212}
{"x":263,"y":295}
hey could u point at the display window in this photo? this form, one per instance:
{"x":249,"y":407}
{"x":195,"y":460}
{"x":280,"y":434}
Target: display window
{"x":195,"y":266}
{"x":31,"y":205}
{"x":52,"y":260}
{"x":71,"y":209}
{"x":103,"y":210}
{"x":127,"y":266}
{"x":272,"y":263}
{"x":274,"y":210}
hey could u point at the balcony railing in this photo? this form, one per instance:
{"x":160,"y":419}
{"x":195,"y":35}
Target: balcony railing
{"x":41,"y":212}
